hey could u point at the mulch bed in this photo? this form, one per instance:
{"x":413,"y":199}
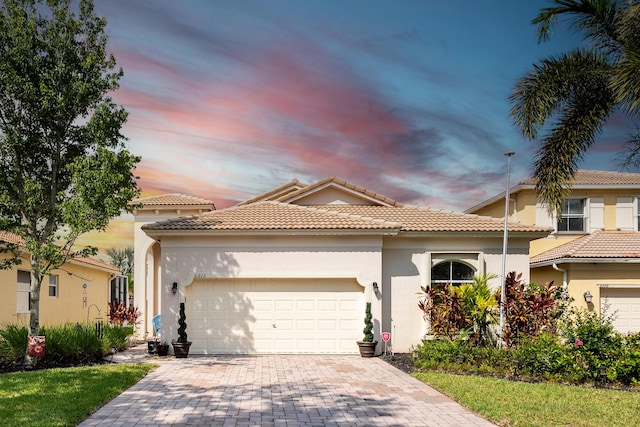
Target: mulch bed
{"x":20,"y":366}
{"x":401,"y":361}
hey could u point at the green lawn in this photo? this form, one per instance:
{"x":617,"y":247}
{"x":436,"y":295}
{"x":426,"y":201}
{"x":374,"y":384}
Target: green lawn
{"x":512,"y":403}
{"x":63,"y":397}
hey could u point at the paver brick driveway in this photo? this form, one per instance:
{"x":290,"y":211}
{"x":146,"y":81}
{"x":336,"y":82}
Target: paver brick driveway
{"x":281,"y":390}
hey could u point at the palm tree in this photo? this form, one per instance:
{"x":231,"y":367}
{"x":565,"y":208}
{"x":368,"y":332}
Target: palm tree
{"x":121,"y":258}
{"x":569,"y":97}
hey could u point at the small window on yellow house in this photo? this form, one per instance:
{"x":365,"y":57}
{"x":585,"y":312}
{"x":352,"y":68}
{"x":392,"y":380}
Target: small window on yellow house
{"x":573,"y":216}
{"x":53,"y":286}
{"x":23,"y":289}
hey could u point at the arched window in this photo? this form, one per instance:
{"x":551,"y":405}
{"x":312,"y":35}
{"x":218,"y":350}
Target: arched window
{"x":453,"y":272}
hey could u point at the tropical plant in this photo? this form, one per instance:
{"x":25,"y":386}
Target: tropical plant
{"x":451,"y":310}
{"x":529,"y":308}
{"x":368,"y":324}
{"x":123,"y":259}
{"x":118,"y":313}
{"x":64,"y":168}
{"x":442,"y":309}
{"x":571,"y":96}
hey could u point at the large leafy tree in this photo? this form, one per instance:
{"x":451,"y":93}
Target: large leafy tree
{"x":569,"y":97}
{"x":64,"y":169}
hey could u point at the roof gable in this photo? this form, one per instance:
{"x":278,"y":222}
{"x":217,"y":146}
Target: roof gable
{"x":278,"y":192}
{"x":335,"y":191}
{"x":583,"y":179}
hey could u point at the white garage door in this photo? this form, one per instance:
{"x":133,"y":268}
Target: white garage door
{"x":626,"y":302}
{"x":249,"y":316}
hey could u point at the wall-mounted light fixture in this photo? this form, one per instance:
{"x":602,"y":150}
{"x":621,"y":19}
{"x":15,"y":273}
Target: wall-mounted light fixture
{"x":376,"y":289}
{"x":174,"y":288}
{"x":588,"y":298}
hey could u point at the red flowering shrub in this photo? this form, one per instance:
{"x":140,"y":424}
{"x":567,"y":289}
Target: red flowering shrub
{"x":120,"y":313}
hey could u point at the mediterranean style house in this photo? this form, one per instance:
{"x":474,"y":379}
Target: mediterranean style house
{"x":594,"y":249}
{"x":79,"y":291}
{"x":291,"y":270}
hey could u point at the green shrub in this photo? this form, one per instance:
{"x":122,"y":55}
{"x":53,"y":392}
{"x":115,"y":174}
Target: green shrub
{"x":116,"y":336}
{"x":592,"y":342}
{"x":73,"y":342}
{"x":13,"y":342}
{"x":544,"y":356}
{"x":626,"y":367}
{"x":66,"y":343}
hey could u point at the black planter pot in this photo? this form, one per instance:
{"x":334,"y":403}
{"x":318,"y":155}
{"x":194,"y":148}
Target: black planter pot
{"x":181,"y":349}
{"x":162,"y":349}
{"x":367,"y":349}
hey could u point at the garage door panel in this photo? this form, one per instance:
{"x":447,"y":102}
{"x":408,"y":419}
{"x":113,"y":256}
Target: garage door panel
{"x":310,"y":316}
{"x":284,"y":305}
{"x":625,"y":303}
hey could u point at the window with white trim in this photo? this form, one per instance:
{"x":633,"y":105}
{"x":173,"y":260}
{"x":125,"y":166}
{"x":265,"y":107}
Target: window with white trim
{"x":455,"y":273}
{"x":53,"y":286}
{"x":573,"y":216}
{"x":23,"y":291}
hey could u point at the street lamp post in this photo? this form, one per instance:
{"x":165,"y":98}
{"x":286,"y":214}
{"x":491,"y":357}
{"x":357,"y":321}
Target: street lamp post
{"x":508,"y":154}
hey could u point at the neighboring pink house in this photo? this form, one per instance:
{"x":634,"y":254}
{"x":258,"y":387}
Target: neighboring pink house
{"x":290,"y":271}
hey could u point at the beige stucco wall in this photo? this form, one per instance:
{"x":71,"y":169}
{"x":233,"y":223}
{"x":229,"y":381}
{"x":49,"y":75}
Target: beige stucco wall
{"x":185,"y":259}
{"x":407,"y":266}
{"x":586,"y":277}
{"x":522,"y":207}
{"x":74,"y":302}
{"x":399,"y":265}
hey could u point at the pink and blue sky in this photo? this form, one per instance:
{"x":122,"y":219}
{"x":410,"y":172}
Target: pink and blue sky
{"x":228,"y":99}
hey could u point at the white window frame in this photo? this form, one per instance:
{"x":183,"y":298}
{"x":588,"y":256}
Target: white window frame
{"x":453,"y":282}
{"x":23,"y":290}
{"x":53,"y":285}
{"x":585,"y":217}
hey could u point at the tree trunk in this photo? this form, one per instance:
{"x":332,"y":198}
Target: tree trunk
{"x":34,"y":299}
{"x":34,"y":307}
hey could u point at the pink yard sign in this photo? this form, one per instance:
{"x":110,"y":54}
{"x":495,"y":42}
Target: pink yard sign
{"x":386,"y":336}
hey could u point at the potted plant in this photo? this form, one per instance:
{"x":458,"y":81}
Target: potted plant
{"x":162,"y":349}
{"x":182,"y":344}
{"x":367,"y":346}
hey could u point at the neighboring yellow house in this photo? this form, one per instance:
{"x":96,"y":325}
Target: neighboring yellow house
{"x":594,"y":251}
{"x":79,"y":291}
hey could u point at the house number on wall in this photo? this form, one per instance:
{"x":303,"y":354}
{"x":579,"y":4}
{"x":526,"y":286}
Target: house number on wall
{"x":200,"y":275}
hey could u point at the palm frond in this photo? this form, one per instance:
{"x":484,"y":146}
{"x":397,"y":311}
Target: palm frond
{"x":595,"y":18}
{"x":573,"y":89}
{"x":626,"y":79}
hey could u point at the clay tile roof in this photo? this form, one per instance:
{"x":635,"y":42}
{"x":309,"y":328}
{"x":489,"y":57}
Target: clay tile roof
{"x":7,"y":237}
{"x":342,"y":183}
{"x":272,"y":216}
{"x":591,"y":177}
{"x":419,"y":219}
{"x":599,"y":244}
{"x":284,"y":216}
{"x":276,"y":193}
{"x":13,"y":238}
{"x":173,"y":199}
{"x":96,"y":263}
